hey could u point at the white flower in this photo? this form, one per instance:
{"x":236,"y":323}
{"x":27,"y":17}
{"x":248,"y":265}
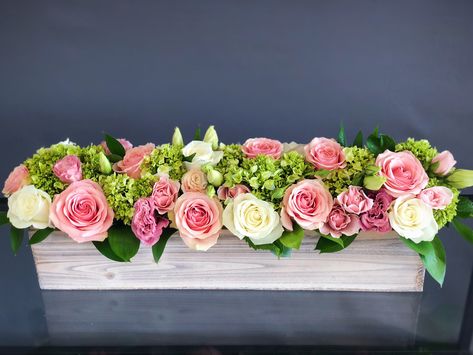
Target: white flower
{"x":203,"y":154}
{"x":66,"y":142}
{"x":247,"y":216}
{"x":413,"y":219}
{"x":29,"y":207}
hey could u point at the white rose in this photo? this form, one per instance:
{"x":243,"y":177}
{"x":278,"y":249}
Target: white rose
{"x":247,"y":216}
{"x":204,"y":154}
{"x":29,"y":207}
{"x":413,"y":219}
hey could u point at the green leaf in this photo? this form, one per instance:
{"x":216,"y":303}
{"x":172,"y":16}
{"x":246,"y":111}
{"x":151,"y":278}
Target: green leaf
{"x":358,"y":142}
{"x":358,"y":179}
{"x":464,"y":207}
{"x":40,"y":235}
{"x":328,"y":244}
{"x":123,"y":242}
{"x":158,"y":248}
{"x":114,"y":158}
{"x":387,"y":142}
{"x":105,"y":249}
{"x":114,"y":145}
{"x":283,"y":251}
{"x":293,"y":239}
{"x":198,"y":134}
{"x":322,"y":173}
{"x":189,"y":158}
{"x":277,"y":248}
{"x":16,"y":238}
{"x":377,"y":144}
{"x":464,"y":230}
{"x":3,"y":218}
{"x":342,"y":139}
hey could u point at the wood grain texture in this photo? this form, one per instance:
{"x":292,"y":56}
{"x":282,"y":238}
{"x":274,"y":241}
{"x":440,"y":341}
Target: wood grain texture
{"x":370,"y":263}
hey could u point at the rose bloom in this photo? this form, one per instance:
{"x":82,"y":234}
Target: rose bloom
{"x":146,"y":226}
{"x":248,"y":216}
{"x":340,"y":222}
{"x":354,"y":200}
{"x":126,"y":144}
{"x":308,"y":203}
{"x":445,"y":161}
{"x":18,"y":178}
{"x":198,"y":219}
{"x":377,"y":219}
{"x":403,"y":172}
{"x":203,"y":154}
{"x":131,"y":163}
{"x":437,"y":197}
{"x":262,"y":146}
{"x":164,"y":194}
{"x":325,"y":153}
{"x":194,"y":181}
{"x":413,"y":219}
{"x":81,"y":211}
{"x":29,"y":207}
{"x":68,"y":169}
{"x":224,"y":192}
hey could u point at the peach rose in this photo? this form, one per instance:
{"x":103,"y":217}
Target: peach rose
{"x":354,"y":200}
{"x":262,"y":146}
{"x":403,"y":172}
{"x":445,"y":161}
{"x":68,"y":169}
{"x":131,"y":163}
{"x":198,"y":219}
{"x":437,"y":197}
{"x":194,"y":181}
{"x":18,"y":178}
{"x":146,"y":225}
{"x":81,"y":211}
{"x":325,"y":153}
{"x":340,"y":222}
{"x":224,"y":192}
{"x":126,"y":144}
{"x":308,"y":203}
{"x":164,"y":194}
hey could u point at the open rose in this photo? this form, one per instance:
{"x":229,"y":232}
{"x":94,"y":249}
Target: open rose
{"x":146,"y":225}
{"x":377,"y":219}
{"x":194,"y":181}
{"x":18,"y":178}
{"x":325,"y":153}
{"x":445,"y":163}
{"x":126,"y":144}
{"x":225,"y":192}
{"x":29,"y":207}
{"x":164,"y":194}
{"x":198,"y":219}
{"x":354,"y":200}
{"x":437,"y":197}
{"x":68,"y":169}
{"x":81,"y":211}
{"x":262,"y":146}
{"x":340,"y":222}
{"x":131,"y":162}
{"x":403,"y":172}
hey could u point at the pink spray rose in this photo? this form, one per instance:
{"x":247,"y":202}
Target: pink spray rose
{"x":224,"y":192}
{"x":262,"y":146}
{"x":146,"y":225}
{"x":131,"y":163}
{"x":164,"y":194}
{"x":68,"y":169}
{"x":126,"y":144}
{"x":437,"y":197}
{"x":18,"y":178}
{"x":403,"y":172}
{"x":340,"y":222}
{"x":81,"y":211}
{"x":308,"y":203}
{"x":194,"y":181}
{"x":445,"y":161}
{"x":354,"y":200}
{"x":325,"y":153}
{"x":377,"y":218}
{"x":198,"y":219}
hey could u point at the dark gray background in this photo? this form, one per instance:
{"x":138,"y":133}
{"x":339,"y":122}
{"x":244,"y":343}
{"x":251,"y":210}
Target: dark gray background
{"x":290,"y":70}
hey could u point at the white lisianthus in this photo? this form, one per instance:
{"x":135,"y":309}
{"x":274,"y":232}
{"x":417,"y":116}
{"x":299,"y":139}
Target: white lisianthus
{"x":29,"y":207}
{"x":204,"y":154}
{"x":413,"y":219}
{"x":248,"y":216}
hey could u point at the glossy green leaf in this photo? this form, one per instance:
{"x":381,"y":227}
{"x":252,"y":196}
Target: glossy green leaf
{"x":386,"y":142}
{"x":277,"y":248}
{"x":198,"y":134}
{"x":105,"y":249}
{"x":358,"y":179}
{"x":342,"y":139}
{"x":464,"y":230}
{"x":114,"y":145}
{"x":464,"y":207}
{"x":358,"y":142}
{"x":158,"y":248}
{"x":293,"y":239}
{"x":123,"y":242}
{"x":3,"y":218}
{"x":40,"y":235}
{"x":16,"y":238}
{"x":328,"y":244}
{"x":189,"y":158}
{"x":114,"y":158}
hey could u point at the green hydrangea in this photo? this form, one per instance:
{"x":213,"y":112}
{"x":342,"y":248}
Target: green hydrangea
{"x":420,"y":148}
{"x":90,"y":162}
{"x":231,"y":160}
{"x":442,"y":217}
{"x":165,"y":158}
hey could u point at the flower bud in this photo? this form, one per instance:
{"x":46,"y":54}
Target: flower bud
{"x":461,"y":178}
{"x":215,"y":178}
{"x":211,"y":137}
{"x":104,"y":164}
{"x":374,"y":182}
{"x":177,"y":137}
{"x":210,"y":191}
{"x":372,"y":169}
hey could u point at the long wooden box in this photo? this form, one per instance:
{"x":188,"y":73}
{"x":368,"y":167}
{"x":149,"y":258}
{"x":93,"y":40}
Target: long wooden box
{"x":371,"y":263}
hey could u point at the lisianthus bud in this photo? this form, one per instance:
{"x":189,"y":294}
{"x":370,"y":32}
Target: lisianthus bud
{"x":177,"y":137}
{"x":374,"y":182}
{"x":461,"y":178}
{"x":210,"y":191}
{"x":104,"y":164}
{"x":372,"y":169}
{"x":215,"y":178}
{"x":211,"y":137}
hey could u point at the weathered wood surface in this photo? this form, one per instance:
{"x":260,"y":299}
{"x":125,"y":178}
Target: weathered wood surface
{"x":370,"y":263}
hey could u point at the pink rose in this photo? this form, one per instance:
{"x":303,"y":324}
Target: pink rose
{"x":68,"y":169}
{"x":164,"y":194}
{"x":445,"y":161}
{"x":126,"y":144}
{"x":131,"y":163}
{"x":194,"y":181}
{"x":146,"y":225}
{"x":437,"y":197}
{"x":18,"y":178}
{"x":81,"y":211}
{"x":224,"y":192}
{"x":198,"y":219}
{"x":308,"y":203}
{"x":403,"y":172}
{"x":325,"y":153}
{"x":262,"y":146}
{"x":354,"y":200}
{"x":340,"y":222}
{"x":377,"y":218}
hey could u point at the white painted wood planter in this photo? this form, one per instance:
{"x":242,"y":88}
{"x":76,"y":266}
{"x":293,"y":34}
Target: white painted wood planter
{"x":371,"y":263}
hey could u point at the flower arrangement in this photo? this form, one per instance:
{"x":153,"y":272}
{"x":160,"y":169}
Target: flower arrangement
{"x":266,"y":193}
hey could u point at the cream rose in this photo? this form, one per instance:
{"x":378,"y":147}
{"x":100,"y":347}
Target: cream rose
{"x":413,"y":219}
{"x":204,"y":154}
{"x":248,"y":216}
{"x":29,"y":207}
